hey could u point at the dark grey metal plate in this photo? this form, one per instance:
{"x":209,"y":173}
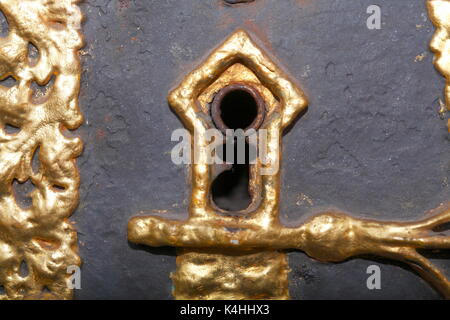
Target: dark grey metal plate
{"x":371,"y":143}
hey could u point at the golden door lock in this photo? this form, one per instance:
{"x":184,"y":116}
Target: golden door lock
{"x":238,"y":254}
{"x":208,"y":98}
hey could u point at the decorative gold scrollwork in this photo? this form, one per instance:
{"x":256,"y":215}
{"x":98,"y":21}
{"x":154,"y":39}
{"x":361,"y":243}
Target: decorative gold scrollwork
{"x":40,"y":49}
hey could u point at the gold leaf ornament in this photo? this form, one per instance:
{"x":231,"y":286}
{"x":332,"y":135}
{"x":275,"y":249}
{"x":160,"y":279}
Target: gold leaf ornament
{"x":40,"y":236}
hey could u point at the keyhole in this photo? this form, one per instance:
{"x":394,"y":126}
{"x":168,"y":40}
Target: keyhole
{"x":238,"y":109}
{"x":230,"y":190}
{"x":237,"y":106}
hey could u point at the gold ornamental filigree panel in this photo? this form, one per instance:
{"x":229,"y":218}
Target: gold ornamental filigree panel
{"x":40,"y":49}
{"x":439,"y":11}
{"x":225,"y":256}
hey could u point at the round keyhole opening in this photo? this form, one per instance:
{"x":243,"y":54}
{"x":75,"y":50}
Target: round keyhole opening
{"x":238,"y":106}
{"x":238,"y":109}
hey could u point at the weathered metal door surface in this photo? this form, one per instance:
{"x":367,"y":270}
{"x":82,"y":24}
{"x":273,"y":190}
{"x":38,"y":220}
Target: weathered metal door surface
{"x":348,"y":93}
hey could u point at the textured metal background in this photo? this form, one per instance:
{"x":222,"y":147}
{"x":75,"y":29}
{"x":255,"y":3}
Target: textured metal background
{"x":371,"y":143}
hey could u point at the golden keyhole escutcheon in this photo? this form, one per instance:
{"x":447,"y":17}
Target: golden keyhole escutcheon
{"x":223,"y":255}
